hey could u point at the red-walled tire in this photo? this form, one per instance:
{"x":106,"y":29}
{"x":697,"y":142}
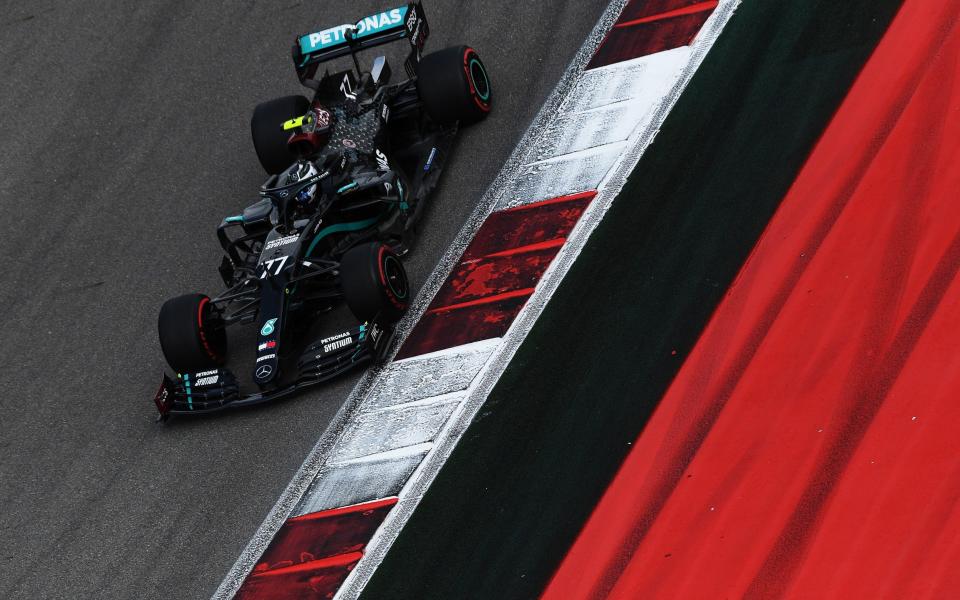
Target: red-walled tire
{"x":191,"y":337}
{"x":454,"y":85}
{"x":374,"y":283}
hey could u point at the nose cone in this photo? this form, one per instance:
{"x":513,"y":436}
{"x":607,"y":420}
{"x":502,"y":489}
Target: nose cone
{"x":265,"y":371}
{"x":268,"y":365}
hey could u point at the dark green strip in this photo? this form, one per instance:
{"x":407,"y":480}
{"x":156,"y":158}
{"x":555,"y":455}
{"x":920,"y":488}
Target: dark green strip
{"x":340,"y":228}
{"x":516,"y":491}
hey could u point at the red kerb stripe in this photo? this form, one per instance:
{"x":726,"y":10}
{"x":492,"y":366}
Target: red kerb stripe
{"x":688,"y":10}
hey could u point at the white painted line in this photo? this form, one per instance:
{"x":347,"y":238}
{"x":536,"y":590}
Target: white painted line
{"x":396,"y":454}
{"x":362,"y":480}
{"x":430,"y":376}
{"x":600,"y":109}
{"x":457,"y":396}
{"x":473,"y":346}
{"x":379,"y":432}
{"x":626,"y":80}
{"x":604,"y":110}
{"x":563,"y":175}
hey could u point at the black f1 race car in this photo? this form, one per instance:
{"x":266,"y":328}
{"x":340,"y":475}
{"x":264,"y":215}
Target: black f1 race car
{"x":350,"y":172}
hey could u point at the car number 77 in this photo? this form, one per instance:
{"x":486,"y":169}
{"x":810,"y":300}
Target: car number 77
{"x":269,"y":265}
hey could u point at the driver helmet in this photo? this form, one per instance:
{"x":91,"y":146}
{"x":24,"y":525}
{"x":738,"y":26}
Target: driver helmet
{"x":298,"y":171}
{"x":309,"y":133}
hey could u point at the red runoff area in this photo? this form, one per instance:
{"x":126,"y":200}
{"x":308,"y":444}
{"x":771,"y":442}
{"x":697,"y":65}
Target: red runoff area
{"x":808,"y":447}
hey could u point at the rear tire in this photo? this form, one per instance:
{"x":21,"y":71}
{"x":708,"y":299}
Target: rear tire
{"x":269,"y":138}
{"x":454,"y":86}
{"x":374,"y":283}
{"x":191,"y":338}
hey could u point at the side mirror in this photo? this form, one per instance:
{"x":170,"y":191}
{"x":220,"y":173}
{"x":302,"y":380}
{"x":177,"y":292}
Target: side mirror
{"x":380,"y":71}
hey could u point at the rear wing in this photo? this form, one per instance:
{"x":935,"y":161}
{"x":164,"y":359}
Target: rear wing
{"x":382,"y":28}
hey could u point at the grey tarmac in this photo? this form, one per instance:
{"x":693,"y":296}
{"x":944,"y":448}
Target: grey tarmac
{"x":124,"y":139}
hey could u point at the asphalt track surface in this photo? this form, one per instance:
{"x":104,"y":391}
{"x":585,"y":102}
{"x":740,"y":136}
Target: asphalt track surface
{"x":125,"y":141}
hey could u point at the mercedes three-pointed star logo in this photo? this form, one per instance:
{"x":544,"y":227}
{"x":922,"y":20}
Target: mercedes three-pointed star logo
{"x":264,"y":371}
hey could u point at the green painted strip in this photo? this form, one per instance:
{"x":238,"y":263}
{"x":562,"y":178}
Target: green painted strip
{"x":236,"y":219}
{"x":340,"y":228}
{"x":186,"y":385}
{"x":486,"y":96}
{"x":404,"y":206}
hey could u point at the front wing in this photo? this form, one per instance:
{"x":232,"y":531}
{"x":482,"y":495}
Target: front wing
{"x":217,"y":390}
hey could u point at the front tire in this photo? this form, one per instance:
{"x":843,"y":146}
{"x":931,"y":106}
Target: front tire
{"x":374,"y":283}
{"x":454,"y":86}
{"x":269,"y":138}
{"x":191,"y":336}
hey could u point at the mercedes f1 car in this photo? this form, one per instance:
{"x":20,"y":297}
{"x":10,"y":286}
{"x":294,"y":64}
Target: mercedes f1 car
{"x":350,"y":171}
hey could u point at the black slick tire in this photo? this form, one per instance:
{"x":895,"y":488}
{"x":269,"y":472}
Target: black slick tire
{"x":374,"y":283}
{"x":191,"y":338}
{"x":454,"y":85}
{"x":269,"y":138}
